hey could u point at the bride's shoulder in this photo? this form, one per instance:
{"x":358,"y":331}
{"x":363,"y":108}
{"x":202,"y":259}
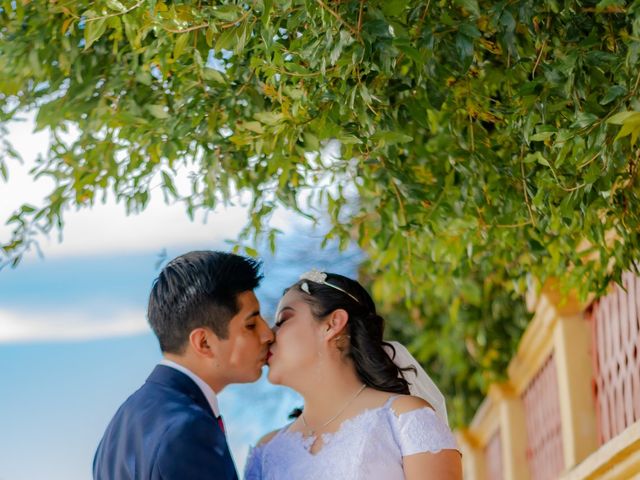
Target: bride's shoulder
{"x":267,"y":438}
{"x":253,"y":467}
{"x":406,"y":403}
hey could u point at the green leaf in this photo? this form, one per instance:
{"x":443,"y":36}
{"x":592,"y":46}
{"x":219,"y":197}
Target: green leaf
{"x":471,"y":293}
{"x":116,"y":5}
{"x":411,"y":52}
{"x":226,"y":40}
{"x":233,"y":39}
{"x":623,"y":117}
{"x":213,"y":75}
{"x":93,"y":30}
{"x":584,"y":119}
{"x":470,"y":30}
{"x":541,"y":137}
{"x":144,"y":78}
{"x":268,"y":4}
{"x":158,"y":111}
{"x":311,"y":142}
{"x":255,"y":127}
{"x":229,"y":13}
{"x":180,"y":44}
{"x":464,"y":47}
{"x":168,"y":184}
{"x":631,"y":126}
{"x":269,"y":118}
{"x":470,"y":5}
{"x":603,"y":5}
{"x":391,"y":138}
{"x":394,"y":8}
{"x":616,"y":91}
{"x":349,"y":140}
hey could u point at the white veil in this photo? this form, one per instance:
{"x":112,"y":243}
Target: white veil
{"x":420,"y":384}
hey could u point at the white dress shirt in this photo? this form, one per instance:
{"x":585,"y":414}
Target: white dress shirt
{"x":207,"y":391}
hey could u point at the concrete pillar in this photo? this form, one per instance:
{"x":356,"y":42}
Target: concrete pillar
{"x":513,"y":429}
{"x":572,"y":347}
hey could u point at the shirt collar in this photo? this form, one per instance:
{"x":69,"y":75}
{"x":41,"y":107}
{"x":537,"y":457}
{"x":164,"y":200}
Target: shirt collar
{"x":207,"y":391}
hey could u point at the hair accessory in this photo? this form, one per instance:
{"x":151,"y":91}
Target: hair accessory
{"x":316,"y":276}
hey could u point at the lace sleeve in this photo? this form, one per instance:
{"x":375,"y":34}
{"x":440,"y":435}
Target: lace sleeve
{"x":421,"y":430}
{"x":253,"y":468}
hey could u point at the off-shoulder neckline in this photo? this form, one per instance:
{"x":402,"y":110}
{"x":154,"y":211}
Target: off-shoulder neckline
{"x":328,"y":438}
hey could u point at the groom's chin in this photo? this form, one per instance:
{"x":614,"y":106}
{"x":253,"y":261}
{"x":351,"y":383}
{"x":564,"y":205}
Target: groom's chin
{"x":253,"y":376}
{"x":242,"y":377}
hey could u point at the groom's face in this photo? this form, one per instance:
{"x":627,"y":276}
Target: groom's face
{"x":244,"y":352}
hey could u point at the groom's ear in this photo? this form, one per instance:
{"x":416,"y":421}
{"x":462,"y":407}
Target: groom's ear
{"x":204,"y":342}
{"x":337,"y":323}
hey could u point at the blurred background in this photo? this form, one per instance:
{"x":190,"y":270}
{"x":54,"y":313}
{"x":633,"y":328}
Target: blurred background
{"x":74,"y":340}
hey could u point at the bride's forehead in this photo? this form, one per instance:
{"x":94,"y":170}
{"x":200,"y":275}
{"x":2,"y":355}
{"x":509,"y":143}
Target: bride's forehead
{"x":292,"y":299}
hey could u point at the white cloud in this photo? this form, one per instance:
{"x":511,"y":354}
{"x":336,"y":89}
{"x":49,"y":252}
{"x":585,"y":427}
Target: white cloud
{"x":105,"y":228}
{"x":27,"y":326}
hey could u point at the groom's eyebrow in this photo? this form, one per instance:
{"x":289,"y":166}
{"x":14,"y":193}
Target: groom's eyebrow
{"x":253,"y":314}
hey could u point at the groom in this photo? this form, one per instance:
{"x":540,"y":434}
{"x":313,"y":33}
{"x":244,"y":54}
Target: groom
{"x":207,"y":319}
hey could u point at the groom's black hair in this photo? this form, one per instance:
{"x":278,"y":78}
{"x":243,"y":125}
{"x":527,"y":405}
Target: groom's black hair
{"x":199,"y":289}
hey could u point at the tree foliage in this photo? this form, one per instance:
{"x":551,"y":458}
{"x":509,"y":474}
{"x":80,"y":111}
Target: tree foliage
{"x":481,"y":143}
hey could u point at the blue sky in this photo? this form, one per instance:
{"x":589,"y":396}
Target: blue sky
{"x":74,"y":341}
{"x":60,"y":392}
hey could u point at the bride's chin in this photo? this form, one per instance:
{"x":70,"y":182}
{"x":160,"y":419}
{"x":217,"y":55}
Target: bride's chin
{"x":273,"y":377}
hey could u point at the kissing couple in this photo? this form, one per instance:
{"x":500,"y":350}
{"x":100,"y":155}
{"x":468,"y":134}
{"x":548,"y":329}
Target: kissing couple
{"x":370,"y":411}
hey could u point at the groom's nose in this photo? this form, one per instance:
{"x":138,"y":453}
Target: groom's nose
{"x":266,"y":335}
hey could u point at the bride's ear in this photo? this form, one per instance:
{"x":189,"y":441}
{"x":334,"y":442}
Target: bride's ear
{"x":336,"y":323}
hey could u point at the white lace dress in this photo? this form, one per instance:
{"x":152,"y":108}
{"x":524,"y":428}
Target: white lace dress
{"x":369,"y":446}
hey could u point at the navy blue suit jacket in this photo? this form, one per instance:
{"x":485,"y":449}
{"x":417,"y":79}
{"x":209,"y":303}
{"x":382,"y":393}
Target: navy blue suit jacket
{"x":165,"y":430}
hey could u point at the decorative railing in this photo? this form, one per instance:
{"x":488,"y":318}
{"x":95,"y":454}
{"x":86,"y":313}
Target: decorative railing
{"x":544,"y":426}
{"x":493,"y":457}
{"x":616,"y":361}
{"x":570,"y":408}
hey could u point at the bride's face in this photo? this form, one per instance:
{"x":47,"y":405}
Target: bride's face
{"x":298,"y":341}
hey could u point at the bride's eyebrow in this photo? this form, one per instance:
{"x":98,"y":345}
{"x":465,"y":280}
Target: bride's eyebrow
{"x":284,"y":309}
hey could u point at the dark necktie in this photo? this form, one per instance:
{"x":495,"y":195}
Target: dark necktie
{"x":220,"y":423}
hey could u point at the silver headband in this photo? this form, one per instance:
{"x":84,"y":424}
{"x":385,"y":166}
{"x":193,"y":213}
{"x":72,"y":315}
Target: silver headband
{"x":316,"y":276}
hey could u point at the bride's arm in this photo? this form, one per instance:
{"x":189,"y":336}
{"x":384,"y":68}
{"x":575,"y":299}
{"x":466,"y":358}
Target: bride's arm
{"x":435,"y":454}
{"x":445,"y":465}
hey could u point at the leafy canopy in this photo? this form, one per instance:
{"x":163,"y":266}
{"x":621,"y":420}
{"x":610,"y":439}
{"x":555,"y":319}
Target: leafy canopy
{"x":481,"y":143}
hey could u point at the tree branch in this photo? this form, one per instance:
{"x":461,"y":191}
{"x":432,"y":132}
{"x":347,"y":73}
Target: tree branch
{"x":524,"y":186}
{"x":355,"y":32}
{"x":93,"y":19}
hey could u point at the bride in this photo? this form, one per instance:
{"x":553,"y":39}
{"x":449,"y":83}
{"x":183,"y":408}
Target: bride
{"x":360,"y":419}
